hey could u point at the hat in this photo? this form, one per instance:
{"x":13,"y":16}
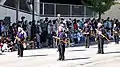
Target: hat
{"x":20,"y":29}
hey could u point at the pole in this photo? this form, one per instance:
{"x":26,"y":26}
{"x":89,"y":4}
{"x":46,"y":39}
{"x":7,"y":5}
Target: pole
{"x":54,"y":10}
{"x":39,"y":7}
{"x":58,"y":27}
{"x":17,"y":9}
{"x":85,"y":11}
{"x":33,"y":17}
{"x":70,"y":10}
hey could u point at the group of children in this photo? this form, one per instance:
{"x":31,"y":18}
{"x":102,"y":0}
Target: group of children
{"x":6,"y":44}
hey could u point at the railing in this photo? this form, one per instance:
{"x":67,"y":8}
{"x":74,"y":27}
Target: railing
{"x":66,"y":10}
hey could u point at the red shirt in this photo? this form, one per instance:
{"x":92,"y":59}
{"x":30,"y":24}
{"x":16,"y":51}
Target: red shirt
{"x":75,"y":26}
{"x":1,"y":45}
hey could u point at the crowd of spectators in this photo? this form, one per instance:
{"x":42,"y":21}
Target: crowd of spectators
{"x":39,"y":33}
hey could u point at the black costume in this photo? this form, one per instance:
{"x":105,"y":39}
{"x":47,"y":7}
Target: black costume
{"x":100,"y":37}
{"x":61,"y":45}
{"x":20,"y":44}
{"x":86,"y":33}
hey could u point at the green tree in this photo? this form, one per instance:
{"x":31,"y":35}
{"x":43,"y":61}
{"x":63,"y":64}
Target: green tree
{"x":99,"y":6}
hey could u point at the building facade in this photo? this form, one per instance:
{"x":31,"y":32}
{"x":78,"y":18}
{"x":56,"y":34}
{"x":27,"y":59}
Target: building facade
{"x":8,"y":8}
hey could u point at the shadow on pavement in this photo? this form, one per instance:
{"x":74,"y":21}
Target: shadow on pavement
{"x":91,"y":44}
{"x":75,"y":50}
{"x":2,"y":54}
{"x":35,"y":55}
{"x":97,"y":47}
{"x":76,"y":58}
{"x":87,"y":63}
{"x":112,"y":52}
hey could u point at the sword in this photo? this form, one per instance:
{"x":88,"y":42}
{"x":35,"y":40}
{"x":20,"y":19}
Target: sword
{"x":66,"y":42}
{"x":103,"y":36}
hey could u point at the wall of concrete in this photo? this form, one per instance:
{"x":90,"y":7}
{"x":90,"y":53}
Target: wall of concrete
{"x":114,"y":12}
{"x":6,"y":12}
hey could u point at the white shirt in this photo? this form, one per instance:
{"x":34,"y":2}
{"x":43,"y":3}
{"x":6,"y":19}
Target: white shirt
{"x":5,"y":46}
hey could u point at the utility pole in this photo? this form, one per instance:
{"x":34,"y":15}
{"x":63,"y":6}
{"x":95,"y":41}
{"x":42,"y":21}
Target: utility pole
{"x":58,"y":15}
{"x":17,"y":9}
{"x":33,"y":11}
{"x":33,"y":27}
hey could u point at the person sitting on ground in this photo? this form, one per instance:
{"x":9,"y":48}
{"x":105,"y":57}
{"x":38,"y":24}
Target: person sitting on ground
{"x":10,"y":43}
{"x":5,"y":46}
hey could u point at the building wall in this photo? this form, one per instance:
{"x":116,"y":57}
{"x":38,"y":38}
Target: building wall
{"x":117,"y":1}
{"x":7,"y":9}
{"x":114,"y":12}
{"x":5,"y":12}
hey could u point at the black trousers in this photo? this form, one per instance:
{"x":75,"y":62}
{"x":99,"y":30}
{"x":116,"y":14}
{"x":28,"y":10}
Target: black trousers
{"x":38,"y":45}
{"x":20,"y":50}
{"x":75,"y":40}
{"x":116,"y":37}
{"x":61,"y":49}
{"x":100,"y":45}
{"x":50,"y":40}
{"x":44,"y":36}
{"x":87,"y":41}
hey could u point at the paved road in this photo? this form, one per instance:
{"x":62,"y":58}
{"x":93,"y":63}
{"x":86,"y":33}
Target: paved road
{"x":75,"y":57}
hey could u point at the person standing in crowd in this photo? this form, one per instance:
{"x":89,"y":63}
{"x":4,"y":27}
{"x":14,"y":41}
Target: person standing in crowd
{"x":50,"y":34}
{"x":33,"y":30}
{"x":117,"y":23}
{"x":107,"y":24}
{"x":22,"y":21}
{"x":3,"y":29}
{"x":24,"y":25}
{"x":116,"y":34}
{"x":81,"y":23}
{"x":71,"y":25}
{"x":54,"y":33}
{"x":100,"y":37}
{"x":38,"y":34}
{"x":61,"y":44}
{"x":29,"y":29}
{"x":75,"y":25}
{"x":44,"y":27}
{"x":38,"y":40}
{"x":86,"y":33}
{"x":14,"y":30}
